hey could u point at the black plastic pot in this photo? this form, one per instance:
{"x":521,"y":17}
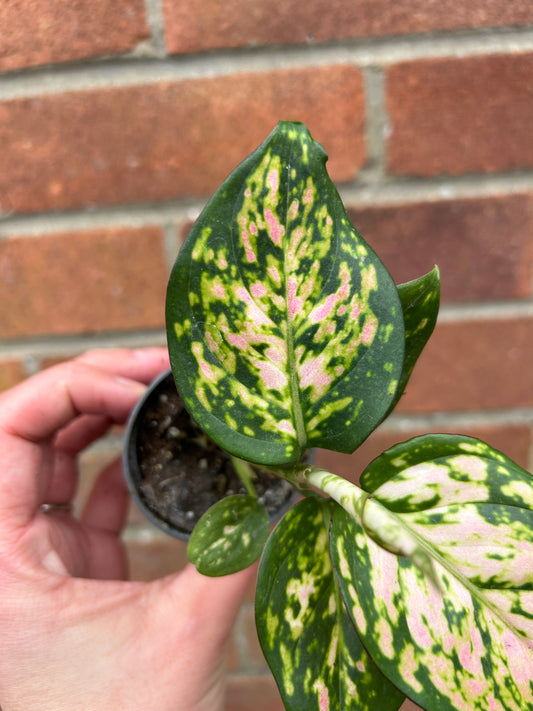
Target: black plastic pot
{"x":167,"y":496}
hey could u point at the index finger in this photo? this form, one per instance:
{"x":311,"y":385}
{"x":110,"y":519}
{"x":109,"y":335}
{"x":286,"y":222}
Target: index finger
{"x":100,"y":383}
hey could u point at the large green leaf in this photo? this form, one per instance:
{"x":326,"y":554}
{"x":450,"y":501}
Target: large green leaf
{"x":307,"y":637}
{"x":285,"y":330}
{"x":461,"y":638}
{"x":230,"y":536}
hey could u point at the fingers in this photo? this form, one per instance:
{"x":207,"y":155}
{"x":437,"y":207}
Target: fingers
{"x":44,"y":404}
{"x":142,"y":364}
{"x":99,"y":383}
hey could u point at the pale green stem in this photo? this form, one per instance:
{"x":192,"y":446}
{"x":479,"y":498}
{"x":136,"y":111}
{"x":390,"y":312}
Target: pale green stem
{"x":382,"y":525}
{"x":350,"y":496}
{"x":246,"y":475}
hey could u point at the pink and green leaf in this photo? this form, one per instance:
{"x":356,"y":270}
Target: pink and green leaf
{"x":285,"y":330}
{"x":460,"y":638}
{"x":230,"y":536}
{"x":306,"y":635}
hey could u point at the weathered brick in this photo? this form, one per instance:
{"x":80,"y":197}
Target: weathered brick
{"x":34,"y":32}
{"x":474,"y":365}
{"x":82,"y":282}
{"x":483,"y":246}
{"x":168,"y":140}
{"x":193,"y":26}
{"x":12,"y":371}
{"x":460,"y":115}
{"x":513,"y":440}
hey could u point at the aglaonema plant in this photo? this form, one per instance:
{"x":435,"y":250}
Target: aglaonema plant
{"x":286,"y":333}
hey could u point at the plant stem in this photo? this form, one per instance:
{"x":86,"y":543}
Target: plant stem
{"x":350,"y":496}
{"x":246,"y":475}
{"x":382,"y":525}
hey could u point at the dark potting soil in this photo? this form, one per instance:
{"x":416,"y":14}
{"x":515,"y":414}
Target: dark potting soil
{"x":183,"y":472}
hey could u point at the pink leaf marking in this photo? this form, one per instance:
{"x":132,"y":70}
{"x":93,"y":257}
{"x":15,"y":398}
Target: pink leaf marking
{"x":369,"y":330}
{"x":272,"y":182}
{"x":245,"y":237}
{"x":254,"y":313}
{"x":323,"y":695}
{"x":295,"y":304}
{"x":258,"y":289}
{"x":273,"y":273}
{"x":275,"y":228}
{"x":273,"y":377}
{"x":312,"y":374}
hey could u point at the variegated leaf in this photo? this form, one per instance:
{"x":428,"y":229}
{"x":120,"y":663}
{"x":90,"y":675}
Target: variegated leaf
{"x":230,"y":536}
{"x":285,"y":330}
{"x":420,"y":301}
{"x":307,"y":637}
{"x":462,"y":638}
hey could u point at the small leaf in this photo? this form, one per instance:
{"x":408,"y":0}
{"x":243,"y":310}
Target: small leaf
{"x":462,"y":638}
{"x":285,"y":330}
{"x":420,"y":300}
{"x":306,"y":635}
{"x":230,"y":536}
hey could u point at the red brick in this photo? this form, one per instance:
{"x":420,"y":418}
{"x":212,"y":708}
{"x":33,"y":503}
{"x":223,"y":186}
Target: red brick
{"x":513,"y":440}
{"x":34,"y":32}
{"x":195,"y":26}
{"x":12,"y":371}
{"x":168,"y":140}
{"x":82,"y":282}
{"x":410,"y":706}
{"x":460,"y":115}
{"x":463,"y":237}
{"x":259,"y":693}
{"x":474,"y":365}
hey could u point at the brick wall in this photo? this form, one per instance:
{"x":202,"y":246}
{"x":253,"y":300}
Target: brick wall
{"x":118,"y":118}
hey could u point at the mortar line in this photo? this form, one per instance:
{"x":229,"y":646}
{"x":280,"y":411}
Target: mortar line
{"x":50,"y":345}
{"x":367,"y":52}
{"x":381,"y":193}
{"x":404,"y":422}
{"x":156,"y":46}
{"x":376,"y":122}
{"x":394,"y":190}
{"x":129,"y":216}
{"x":485,"y":311}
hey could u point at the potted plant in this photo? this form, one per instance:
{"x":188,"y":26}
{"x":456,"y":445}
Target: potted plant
{"x":175,"y":472}
{"x":285,"y":333}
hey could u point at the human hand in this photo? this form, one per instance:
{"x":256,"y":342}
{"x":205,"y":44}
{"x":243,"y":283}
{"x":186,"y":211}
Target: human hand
{"x":75,"y":635}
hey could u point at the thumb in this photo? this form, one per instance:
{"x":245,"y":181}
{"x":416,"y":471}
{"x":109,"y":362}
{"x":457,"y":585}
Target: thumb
{"x":220,"y":598}
{"x":211,"y":605}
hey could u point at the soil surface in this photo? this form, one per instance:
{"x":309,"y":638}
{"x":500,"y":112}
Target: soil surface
{"x":183,"y":472}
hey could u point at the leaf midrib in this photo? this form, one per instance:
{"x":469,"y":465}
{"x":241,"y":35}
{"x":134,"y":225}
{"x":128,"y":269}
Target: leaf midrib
{"x":296,"y":406}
